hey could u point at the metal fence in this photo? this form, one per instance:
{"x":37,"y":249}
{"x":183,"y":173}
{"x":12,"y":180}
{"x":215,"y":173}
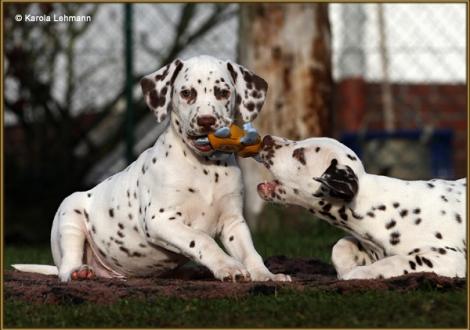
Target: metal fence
{"x":412,"y":59}
{"x":393,"y":47}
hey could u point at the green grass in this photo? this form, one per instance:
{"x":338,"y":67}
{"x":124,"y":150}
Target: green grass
{"x":312,"y":308}
{"x":286,"y":233}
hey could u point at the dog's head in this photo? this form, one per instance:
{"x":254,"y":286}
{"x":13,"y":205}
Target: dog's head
{"x":308,"y":171}
{"x":203,"y":94}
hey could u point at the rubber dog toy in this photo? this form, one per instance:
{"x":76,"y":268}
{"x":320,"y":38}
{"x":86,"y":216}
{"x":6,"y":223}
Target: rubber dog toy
{"x":245,"y":142}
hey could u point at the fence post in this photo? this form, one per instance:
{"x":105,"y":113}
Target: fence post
{"x":128,"y":55}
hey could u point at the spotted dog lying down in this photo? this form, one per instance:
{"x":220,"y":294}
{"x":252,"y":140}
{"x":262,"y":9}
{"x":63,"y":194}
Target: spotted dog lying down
{"x":168,"y":205}
{"x":396,"y":226}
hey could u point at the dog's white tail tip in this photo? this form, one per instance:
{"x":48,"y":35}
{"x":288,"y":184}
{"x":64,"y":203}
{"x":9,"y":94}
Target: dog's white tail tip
{"x":40,"y":269}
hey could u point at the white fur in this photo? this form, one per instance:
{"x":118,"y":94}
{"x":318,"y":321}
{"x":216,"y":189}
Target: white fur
{"x":169,"y":204}
{"x":404,"y":226}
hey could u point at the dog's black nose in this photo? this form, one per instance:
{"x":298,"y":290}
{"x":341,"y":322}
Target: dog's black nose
{"x":206,"y":121}
{"x":267,"y":142}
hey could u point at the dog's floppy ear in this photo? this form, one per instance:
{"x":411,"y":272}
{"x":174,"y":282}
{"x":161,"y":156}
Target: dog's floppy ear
{"x":250,"y":92}
{"x":157,"y":88}
{"x":339,"y":182}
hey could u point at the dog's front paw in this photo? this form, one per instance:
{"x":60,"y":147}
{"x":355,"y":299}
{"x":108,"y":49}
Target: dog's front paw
{"x":265,"y":275}
{"x":232,"y":272}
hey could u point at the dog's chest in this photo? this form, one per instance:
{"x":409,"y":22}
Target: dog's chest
{"x":155,"y":190}
{"x":195,"y":194}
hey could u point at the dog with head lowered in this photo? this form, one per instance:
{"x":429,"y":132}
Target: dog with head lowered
{"x":396,"y":227}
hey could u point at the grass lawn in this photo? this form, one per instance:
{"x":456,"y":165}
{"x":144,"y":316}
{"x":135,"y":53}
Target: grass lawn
{"x":299,"y":235}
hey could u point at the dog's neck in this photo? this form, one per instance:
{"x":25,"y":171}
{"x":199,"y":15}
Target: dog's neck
{"x":355,"y":217}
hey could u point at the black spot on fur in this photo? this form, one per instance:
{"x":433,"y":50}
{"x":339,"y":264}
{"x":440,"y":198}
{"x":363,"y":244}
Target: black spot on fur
{"x":355,"y":215}
{"x":458,"y":218}
{"x":111,"y":213}
{"x":427,"y":262}
{"x":77,"y":211}
{"x":232,"y":72}
{"x":403,"y":213}
{"x":191,"y":190}
{"x":342,"y":213}
{"x":418,"y":260}
{"x":418,"y":221}
{"x":444,"y":198}
{"x":230,"y":238}
{"x":396,"y":205}
{"x":395,"y":238}
{"x":192,"y":244}
{"x":430,"y":185}
{"x":412,"y":265}
{"x":438,"y":235}
{"x":381,"y":207}
{"x":390,"y":224}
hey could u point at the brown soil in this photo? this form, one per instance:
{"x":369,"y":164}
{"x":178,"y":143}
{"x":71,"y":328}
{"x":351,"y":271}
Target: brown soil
{"x":197,"y":282}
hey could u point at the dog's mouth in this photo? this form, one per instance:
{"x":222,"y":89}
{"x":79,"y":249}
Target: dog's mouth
{"x":200,"y":142}
{"x":267,"y":190}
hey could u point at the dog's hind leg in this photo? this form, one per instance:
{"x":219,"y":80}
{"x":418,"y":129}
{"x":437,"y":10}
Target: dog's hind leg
{"x":441,"y":261}
{"x":68,"y":239}
{"x":347,"y":254}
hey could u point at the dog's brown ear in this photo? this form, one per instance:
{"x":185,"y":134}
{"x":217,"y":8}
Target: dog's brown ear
{"x":339,"y":182}
{"x":157,"y":88}
{"x":250,"y":92}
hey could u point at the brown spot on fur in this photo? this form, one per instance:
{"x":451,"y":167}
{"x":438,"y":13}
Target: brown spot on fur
{"x":299,"y":154}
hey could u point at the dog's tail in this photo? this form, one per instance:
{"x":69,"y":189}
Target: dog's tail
{"x":40,"y":269}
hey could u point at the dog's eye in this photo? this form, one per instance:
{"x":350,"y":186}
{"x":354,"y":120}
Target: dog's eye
{"x":186,"y":93}
{"x":225,"y":93}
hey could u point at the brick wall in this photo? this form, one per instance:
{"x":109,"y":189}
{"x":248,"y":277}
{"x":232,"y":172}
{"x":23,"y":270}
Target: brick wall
{"x":359,"y":103}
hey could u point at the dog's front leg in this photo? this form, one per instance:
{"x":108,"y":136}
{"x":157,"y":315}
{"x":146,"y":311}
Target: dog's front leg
{"x":236,"y":238}
{"x":198,"y":246}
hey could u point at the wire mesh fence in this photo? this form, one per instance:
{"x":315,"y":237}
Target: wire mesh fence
{"x":411,"y":59}
{"x":64,"y":87}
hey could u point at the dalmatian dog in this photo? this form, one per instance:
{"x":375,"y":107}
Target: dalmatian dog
{"x":396,"y":227}
{"x":166,"y":207}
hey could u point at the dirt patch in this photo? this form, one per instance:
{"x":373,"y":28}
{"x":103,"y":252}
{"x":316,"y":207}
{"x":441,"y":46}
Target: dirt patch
{"x":197,"y":282}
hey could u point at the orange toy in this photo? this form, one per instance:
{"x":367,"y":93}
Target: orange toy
{"x":232,"y":143}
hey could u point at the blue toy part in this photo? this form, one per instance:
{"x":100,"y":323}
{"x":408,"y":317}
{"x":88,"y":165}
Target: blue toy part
{"x":251,"y":135}
{"x":222,"y":132}
{"x":220,"y":155}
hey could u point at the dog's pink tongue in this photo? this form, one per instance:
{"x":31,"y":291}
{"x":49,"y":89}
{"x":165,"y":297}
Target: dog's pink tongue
{"x":266,"y":189}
